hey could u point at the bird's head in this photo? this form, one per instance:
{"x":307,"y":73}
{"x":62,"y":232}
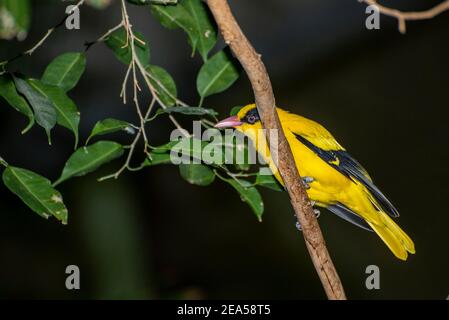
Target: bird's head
{"x":247,"y":118}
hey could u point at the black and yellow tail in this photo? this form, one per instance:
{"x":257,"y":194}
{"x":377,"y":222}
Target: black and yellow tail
{"x":390,"y":233}
{"x":394,"y":237}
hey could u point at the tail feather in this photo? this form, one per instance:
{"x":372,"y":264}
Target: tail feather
{"x":403,"y":237}
{"x":394,"y":237}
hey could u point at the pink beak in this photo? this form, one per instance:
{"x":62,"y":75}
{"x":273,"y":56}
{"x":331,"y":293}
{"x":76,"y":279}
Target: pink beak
{"x":229,"y":122}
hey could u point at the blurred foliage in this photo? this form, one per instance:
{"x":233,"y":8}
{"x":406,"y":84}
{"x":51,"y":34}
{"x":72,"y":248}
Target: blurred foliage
{"x":50,"y":105}
{"x":15,"y":17}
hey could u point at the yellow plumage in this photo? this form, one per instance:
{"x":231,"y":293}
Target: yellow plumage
{"x":339,"y":181}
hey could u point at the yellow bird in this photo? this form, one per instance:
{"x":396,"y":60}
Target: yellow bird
{"x":334,"y":180}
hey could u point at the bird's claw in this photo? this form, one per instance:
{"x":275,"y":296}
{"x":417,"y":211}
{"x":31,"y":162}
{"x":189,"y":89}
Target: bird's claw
{"x":307,"y":181}
{"x":317,"y":215}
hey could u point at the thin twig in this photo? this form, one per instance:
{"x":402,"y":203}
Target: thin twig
{"x":402,"y":16}
{"x":136,"y":62}
{"x":135,"y":68}
{"x":37,"y":45}
{"x":132,"y":147}
{"x":88,"y":45}
{"x":42,"y":40}
{"x":265,"y":101}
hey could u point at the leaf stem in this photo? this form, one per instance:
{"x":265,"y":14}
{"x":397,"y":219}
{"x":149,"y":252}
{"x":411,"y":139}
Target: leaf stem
{"x":3,"y":162}
{"x":2,"y":67}
{"x":201,"y":101}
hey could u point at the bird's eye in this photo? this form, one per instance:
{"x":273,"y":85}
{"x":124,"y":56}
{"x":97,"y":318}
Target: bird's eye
{"x":251,"y":119}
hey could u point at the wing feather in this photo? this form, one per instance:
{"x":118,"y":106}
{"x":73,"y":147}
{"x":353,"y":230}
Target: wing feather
{"x":347,"y":165}
{"x":345,"y":213}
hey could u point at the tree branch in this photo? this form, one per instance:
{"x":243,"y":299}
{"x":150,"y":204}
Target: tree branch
{"x":265,"y":101}
{"x":402,"y":16}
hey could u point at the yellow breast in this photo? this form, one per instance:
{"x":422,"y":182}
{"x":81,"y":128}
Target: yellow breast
{"x":329,"y":184}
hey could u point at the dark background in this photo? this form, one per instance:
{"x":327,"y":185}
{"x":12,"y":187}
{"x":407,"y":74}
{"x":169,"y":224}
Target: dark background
{"x":152,"y":235}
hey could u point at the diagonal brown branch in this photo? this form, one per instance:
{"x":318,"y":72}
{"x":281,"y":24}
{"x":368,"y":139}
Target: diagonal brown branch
{"x":402,"y":16}
{"x":264,"y":97}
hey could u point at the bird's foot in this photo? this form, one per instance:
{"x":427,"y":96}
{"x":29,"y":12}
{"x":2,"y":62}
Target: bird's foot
{"x":307,"y":181}
{"x":317,"y":215}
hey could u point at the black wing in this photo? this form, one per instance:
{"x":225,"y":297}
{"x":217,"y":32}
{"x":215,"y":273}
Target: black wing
{"x":349,"y":215}
{"x":347,"y":165}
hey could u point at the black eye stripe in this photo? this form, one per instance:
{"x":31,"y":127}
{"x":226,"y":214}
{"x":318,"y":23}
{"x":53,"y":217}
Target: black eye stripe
{"x":251,"y":117}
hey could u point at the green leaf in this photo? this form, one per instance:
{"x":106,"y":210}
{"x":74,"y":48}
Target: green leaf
{"x":36,"y":192}
{"x":217,"y":74}
{"x":235,"y":110}
{"x":119,"y":43}
{"x":109,"y":126}
{"x":205,"y":28}
{"x":147,"y":2}
{"x":268,"y":181}
{"x":245,"y":166}
{"x":68,"y":114}
{"x":15,"y":19}
{"x":65,"y":71}
{"x":165,"y":147}
{"x":99,"y":4}
{"x":173,"y":17}
{"x":157,"y":158}
{"x":240,"y":154}
{"x":189,"y":148}
{"x":193,"y":17}
{"x":235,"y":152}
{"x":249,"y":194}
{"x":164,"y":84}
{"x":9,"y":93}
{"x":191,"y":111}
{"x":197,"y":174}
{"x":88,"y":159}
{"x":44,"y":111}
